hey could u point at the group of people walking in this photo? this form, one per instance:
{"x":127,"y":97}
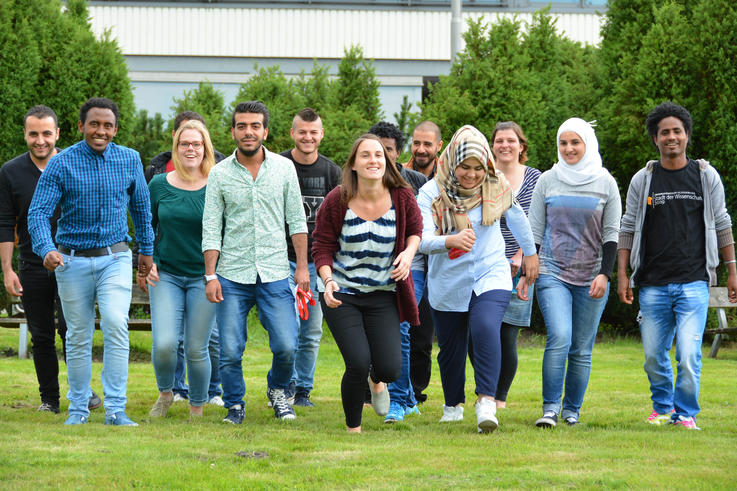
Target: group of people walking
{"x":475,"y":230}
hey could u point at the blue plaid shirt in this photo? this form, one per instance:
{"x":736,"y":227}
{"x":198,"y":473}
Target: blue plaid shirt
{"x":92,"y":191}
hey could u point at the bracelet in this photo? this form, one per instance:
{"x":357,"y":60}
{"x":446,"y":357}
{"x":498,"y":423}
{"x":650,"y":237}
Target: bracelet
{"x":327,"y":281}
{"x":731,"y":261}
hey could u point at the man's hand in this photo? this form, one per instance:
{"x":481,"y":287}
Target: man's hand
{"x":623,"y":288}
{"x":732,"y":288}
{"x":531,"y":268}
{"x":302,"y":277}
{"x":598,"y":286}
{"x":12,"y":283}
{"x":144,"y":264}
{"x":53,"y":260}
{"x":213,"y":291}
{"x":463,"y":240}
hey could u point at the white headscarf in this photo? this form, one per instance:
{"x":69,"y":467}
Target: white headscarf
{"x":589,"y":168}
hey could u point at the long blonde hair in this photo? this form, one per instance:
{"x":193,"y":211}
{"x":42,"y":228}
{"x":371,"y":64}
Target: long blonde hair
{"x":208,"y":159}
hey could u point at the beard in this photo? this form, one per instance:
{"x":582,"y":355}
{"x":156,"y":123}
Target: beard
{"x":250,"y":152}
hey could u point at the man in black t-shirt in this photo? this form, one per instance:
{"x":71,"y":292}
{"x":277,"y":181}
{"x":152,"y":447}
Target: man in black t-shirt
{"x":317,"y":176}
{"x":36,"y":286}
{"x":674,"y":227}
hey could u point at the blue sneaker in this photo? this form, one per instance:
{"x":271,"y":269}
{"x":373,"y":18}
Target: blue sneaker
{"x":396,"y":413}
{"x":119,"y":419}
{"x":76,"y":419}
{"x":409,"y":411}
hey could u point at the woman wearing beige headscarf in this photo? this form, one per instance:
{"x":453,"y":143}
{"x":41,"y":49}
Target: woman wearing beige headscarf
{"x":469,"y":280}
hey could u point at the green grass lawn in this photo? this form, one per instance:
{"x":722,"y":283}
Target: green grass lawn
{"x":612,"y":447}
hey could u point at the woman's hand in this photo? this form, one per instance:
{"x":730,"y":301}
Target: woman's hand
{"x":515,"y":262}
{"x":531,"y":268}
{"x":598,"y":286}
{"x":150,"y":279}
{"x":331,"y":287}
{"x":463,"y":240}
{"x":403,"y":262}
{"x":522,"y":287}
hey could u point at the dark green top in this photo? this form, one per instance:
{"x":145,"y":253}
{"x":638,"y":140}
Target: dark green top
{"x":177,"y":221}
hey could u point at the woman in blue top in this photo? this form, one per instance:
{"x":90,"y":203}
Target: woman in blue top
{"x":575,"y":213}
{"x":175,"y":283}
{"x":469,"y":280}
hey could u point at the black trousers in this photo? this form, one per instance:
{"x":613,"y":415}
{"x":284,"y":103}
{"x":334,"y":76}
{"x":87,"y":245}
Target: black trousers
{"x":420,"y":351}
{"x":40,"y":302}
{"x":366,"y":329}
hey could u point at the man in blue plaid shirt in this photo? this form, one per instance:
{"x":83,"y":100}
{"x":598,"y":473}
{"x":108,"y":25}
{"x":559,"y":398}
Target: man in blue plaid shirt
{"x":93,"y":182}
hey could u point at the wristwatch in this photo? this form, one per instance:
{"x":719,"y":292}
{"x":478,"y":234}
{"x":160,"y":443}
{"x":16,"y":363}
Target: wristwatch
{"x":210,"y":277}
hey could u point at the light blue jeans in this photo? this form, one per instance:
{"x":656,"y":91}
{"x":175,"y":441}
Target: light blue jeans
{"x":179,"y":307}
{"x":81,"y":280}
{"x":571,"y":319}
{"x":279,"y":318}
{"x":677,"y":309}
{"x":401,"y":390}
{"x":310,"y":333}
{"x":180,"y":382}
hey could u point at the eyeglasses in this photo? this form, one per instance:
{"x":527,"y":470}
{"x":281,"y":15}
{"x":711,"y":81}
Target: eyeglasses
{"x":186,"y":145}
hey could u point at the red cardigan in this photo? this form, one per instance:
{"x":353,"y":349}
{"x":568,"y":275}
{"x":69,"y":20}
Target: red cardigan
{"x":329,"y":223}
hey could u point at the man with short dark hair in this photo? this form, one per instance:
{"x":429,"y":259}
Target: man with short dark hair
{"x":95,"y":182}
{"x":674,"y":227}
{"x":426,"y":144}
{"x":160,"y":164}
{"x":317,"y":176}
{"x":250,"y":197}
{"x":35,"y":286}
{"x":425,"y":148}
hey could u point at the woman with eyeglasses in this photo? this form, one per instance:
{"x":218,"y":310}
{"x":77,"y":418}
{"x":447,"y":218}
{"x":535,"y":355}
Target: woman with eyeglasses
{"x":175,"y":284}
{"x":574,"y":214}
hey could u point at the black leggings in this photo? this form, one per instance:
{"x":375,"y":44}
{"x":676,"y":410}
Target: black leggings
{"x":508,"y":370}
{"x":366,"y":329}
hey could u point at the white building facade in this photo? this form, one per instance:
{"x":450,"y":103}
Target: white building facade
{"x":172,"y":46}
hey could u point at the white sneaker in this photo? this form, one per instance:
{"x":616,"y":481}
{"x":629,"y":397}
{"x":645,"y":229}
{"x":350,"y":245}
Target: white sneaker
{"x":179,"y":398}
{"x":217,"y":401}
{"x":486,"y":416}
{"x":452,"y":413}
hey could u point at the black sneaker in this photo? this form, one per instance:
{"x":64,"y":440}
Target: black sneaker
{"x":302,"y":398}
{"x":548,"y":420}
{"x":282,"y":409}
{"x":94,"y":401}
{"x":49,"y":408}
{"x":235,"y":415}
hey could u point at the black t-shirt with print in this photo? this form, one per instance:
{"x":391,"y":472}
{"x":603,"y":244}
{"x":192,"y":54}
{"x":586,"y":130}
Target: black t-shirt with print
{"x":315,"y":182}
{"x":674,"y":239}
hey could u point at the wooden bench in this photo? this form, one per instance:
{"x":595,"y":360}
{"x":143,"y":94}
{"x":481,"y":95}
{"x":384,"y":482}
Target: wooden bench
{"x":18,"y":321}
{"x":719,"y":300}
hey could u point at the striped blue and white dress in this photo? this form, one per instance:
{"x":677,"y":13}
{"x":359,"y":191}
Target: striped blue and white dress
{"x":363,"y":263}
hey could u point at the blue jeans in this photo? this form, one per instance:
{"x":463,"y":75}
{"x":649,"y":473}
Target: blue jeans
{"x":179,"y":306}
{"x":677,"y":309}
{"x":310,"y":332}
{"x":80,"y":281}
{"x":279,"y":318}
{"x":180,"y":383}
{"x":401,"y":390}
{"x":571,"y":319}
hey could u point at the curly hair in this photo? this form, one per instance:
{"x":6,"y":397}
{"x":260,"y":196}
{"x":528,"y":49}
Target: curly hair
{"x":666,"y":110}
{"x":385,"y":129}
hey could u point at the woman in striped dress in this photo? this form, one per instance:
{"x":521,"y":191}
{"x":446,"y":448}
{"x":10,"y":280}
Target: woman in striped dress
{"x":366,"y":233}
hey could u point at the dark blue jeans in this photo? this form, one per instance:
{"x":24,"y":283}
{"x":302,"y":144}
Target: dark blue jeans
{"x":483,"y":319}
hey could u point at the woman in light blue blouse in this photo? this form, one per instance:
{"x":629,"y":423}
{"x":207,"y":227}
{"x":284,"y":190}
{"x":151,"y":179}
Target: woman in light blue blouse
{"x":575,"y":213}
{"x":469,"y":277}
{"x":175,"y":283}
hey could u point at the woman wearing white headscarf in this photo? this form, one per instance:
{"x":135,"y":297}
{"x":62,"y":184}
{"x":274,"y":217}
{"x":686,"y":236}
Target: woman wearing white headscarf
{"x":574,"y":214}
{"x":469,"y":280}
